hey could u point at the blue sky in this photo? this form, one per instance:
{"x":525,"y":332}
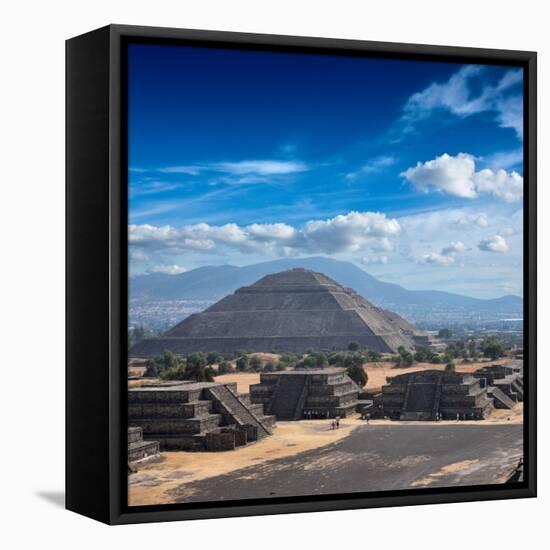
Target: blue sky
{"x":411,"y":170}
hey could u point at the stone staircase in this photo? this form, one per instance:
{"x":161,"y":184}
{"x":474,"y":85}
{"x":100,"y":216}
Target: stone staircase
{"x":139,"y":451}
{"x":285,"y":404}
{"x":242,"y":414}
{"x":500,"y":399}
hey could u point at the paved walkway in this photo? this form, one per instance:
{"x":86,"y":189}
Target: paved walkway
{"x":375,"y":458}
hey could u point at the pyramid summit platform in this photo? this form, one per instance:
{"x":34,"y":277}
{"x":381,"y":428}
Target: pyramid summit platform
{"x":291,"y":311}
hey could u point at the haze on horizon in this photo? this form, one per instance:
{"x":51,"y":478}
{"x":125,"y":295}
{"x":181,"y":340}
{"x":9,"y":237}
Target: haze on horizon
{"x":410,"y":170}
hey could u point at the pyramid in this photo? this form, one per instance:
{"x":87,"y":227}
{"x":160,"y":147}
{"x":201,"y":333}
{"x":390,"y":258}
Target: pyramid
{"x":290,"y":311}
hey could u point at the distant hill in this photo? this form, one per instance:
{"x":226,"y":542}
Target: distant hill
{"x":213,"y":282}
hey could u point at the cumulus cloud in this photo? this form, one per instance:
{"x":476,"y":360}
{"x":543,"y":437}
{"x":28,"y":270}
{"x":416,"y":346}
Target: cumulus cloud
{"x":451,"y":175}
{"x":437,"y":259}
{"x":453,"y":248}
{"x":457,"y":176}
{"x":350,"y":232}
{"x":493,"y":244}
{"x":507,"y":186}
{"x":457,"y":97}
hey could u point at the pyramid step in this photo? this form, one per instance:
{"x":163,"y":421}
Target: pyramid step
{"x":142,"y":449}
{"x":135,"y":433}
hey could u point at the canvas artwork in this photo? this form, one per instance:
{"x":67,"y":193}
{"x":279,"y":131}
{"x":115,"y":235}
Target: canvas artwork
{"x":325,"y":274}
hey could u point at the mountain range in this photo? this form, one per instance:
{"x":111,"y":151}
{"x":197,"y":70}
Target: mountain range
{"x":211,"y":283}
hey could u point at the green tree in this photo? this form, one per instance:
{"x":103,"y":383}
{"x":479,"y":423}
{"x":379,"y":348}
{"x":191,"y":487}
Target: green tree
{"x":157,"y":365}
{"x":242,"y":363}
{"x":492,"y":347}
{"x":353,"y":346}
{"x":374,"y":356}
{"x":255,"y":363}
{"x":269,"y":367}
{"x":357,"y":374}
{"x":224,"y":367}
{"x":423,"y":354}
{"x":445,"y":333}
{"x":196,"y":368}
{"x":175,"y":373}
{"x":213,"y":357}
{"x":450,"y":366}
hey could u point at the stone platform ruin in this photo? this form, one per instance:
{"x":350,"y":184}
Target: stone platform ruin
{"x":139,"y":451}
{"x":433,"y":394}
{"x":292,"y":311}
{"x":293,"y":395}
{"x":505,"y":384}
{"x":197,"y":416}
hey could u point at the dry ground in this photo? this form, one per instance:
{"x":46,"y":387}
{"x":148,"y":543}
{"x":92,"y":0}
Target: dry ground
{"x":153,"y":483}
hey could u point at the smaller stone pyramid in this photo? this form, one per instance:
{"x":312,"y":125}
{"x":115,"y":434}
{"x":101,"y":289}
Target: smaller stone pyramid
{"x":290,"y":311}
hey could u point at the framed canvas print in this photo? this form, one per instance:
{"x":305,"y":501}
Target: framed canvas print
{"x":300,"y":274}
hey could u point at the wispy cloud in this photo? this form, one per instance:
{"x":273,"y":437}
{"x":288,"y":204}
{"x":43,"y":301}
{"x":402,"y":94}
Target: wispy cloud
{"x":457,"y":96}
{"x":372,"y":166}
{"x":504,"y":159}
{"x":249,"y":171}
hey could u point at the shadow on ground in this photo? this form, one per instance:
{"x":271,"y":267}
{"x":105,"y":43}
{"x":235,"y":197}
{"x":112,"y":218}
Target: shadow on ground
{"x":57,"y":498}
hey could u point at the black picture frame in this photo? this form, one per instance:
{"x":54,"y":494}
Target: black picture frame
{"x":96,"y":274}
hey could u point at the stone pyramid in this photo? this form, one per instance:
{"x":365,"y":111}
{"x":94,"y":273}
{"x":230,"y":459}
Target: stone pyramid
{"x":290,"y":311}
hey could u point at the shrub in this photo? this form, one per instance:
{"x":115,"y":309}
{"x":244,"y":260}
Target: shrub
{"x":213,"y":357}
{"x":353,"y":346}
{"x":450,"y":366}
{"x":242,"y":363}
{"x":269,"y":367}
{"x":175,"y":373}
{"x":225,"y":367}
{"x":357,"y":374}
{"x":255,"y":363}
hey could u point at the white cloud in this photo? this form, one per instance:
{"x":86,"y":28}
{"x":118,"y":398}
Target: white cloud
{"x":457,"y":176}
{"x":437,"y":259}
{"x":261,"y":167}
{"x":239,"y":172}
{"x":507,"y":186}
{"x":351,"y":232}
{"x":453,"y":248}
{"x":493,"y":244}
{"x":451,"y":175}
{"x":168,"y":269}
{"x":510,"y":114}
{"x":456,"y":96}
{"x":465,"y":222}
